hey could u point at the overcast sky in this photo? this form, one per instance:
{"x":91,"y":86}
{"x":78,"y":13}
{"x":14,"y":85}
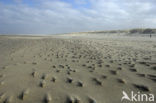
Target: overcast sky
{"x":63,"y":16}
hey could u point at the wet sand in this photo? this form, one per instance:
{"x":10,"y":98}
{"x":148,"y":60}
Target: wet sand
{"x":69,"y":69}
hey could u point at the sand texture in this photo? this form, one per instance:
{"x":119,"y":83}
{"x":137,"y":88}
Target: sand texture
{"x":75,"y":69}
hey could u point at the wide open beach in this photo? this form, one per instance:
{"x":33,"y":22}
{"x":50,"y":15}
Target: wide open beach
{"x":76,"y":68}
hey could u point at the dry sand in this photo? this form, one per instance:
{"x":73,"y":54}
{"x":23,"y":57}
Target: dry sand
{"x":69,"y":69}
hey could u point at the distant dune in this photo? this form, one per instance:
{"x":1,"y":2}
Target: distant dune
{"x":139,"y":31}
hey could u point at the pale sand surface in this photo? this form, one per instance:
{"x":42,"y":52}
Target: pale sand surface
{"x":75,"y":69}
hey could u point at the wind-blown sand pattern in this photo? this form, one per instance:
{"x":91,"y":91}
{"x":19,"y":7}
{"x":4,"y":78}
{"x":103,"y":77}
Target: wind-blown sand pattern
{"x":69,"y":69}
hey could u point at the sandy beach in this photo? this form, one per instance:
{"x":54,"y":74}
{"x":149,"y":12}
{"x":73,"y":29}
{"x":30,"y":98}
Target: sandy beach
{"x":76,"y":69}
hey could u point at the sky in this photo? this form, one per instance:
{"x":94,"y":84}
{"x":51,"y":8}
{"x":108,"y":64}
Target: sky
{"x":65,"y":16}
